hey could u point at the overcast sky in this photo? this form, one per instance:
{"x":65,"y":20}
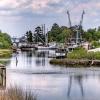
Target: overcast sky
{"x":18,"y":16}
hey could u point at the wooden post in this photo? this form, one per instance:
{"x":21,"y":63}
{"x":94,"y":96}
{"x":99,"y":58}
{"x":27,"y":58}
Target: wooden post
{"x":3,"y":77}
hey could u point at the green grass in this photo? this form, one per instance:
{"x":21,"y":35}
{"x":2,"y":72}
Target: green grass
{"x":95,"y":44}
{"x":78,"y":53}
{"x":5,"y":53}
{"x":81,"y":53}
{"x":79,"y":57}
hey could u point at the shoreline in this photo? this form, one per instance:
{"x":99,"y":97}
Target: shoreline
{"x":4,"y":55}
{"x":75,"y":62}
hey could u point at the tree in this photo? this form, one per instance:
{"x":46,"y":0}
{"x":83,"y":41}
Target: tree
{"x":64,"y":35}
{"x":55,"y":31}
{"x":38,"y":35}
{"x":90,"y":35}
{"x":59,"y":34}
{"x":29,"y":36}
{"x":5,"y":40}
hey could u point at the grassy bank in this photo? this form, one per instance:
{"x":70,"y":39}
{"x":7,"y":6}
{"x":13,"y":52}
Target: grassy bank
{"x":75,"y":62}
{"x":5,"y":53}
{"x":79,"y":57}
{"x":81,"y":53}
{"x":16,"y":94}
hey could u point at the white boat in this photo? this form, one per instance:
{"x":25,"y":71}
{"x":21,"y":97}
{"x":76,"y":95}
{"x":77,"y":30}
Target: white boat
{"x":50,"y":46}
{"x":61,"y":53}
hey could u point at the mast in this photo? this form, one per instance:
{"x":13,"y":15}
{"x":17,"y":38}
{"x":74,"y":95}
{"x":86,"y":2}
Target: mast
{"x":47,"y":37}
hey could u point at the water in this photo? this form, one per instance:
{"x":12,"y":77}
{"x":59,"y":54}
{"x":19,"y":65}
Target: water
{"x":32,"y":71}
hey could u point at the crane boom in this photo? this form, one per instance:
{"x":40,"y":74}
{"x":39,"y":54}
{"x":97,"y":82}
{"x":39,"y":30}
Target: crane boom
{"x":69,"y":18}
{"x":81,"y":21}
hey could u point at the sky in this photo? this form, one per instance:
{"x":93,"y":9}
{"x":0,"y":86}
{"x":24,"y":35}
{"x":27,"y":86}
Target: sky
{"x":19,"y":16}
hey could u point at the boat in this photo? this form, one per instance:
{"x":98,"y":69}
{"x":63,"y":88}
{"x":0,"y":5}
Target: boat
{"x":61,"y":53}
{"x":27,"y":47}
{"x":50,"y":46}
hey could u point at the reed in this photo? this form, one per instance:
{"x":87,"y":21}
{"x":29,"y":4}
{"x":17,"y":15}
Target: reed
{"x":15,"y":93}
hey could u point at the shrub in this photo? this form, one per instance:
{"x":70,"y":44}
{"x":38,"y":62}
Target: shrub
{"x":5,"y":40}
{"x":81,"y":53}
{"x":78,"y":53}
{"x":95,"y":44}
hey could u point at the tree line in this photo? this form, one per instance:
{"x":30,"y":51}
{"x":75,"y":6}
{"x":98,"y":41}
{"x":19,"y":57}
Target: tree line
{"x":5,"y":40}
{"x":61,"y":34}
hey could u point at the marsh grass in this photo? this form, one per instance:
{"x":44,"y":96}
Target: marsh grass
{"x":5,"y":53}
{"x":81,"y":53}
{"x":17,"y":94}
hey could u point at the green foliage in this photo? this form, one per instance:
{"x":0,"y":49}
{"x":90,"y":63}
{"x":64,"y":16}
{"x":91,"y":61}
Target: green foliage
{"x":4,"y":53}
{"x":93,"y":55}
{"x":29,"y":36}
{"x":78,"y":53}
{"x":95,"y":44}
{"x":58,"y":34}
{"x":39,"y":36}
{"x":5,"y":40}
{"x":92,"y":34}
{"x":55,"y":31}
{"x":81,"y":53}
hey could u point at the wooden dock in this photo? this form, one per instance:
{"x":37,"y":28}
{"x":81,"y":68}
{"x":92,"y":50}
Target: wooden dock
{"x":2,"y":77}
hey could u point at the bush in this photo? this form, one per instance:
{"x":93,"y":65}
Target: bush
{"x":95,"y":44}
{"x":5,"y":40}
{"x":81,"y":53}
{"x":78,"y":53}
{"x":93,"y":55}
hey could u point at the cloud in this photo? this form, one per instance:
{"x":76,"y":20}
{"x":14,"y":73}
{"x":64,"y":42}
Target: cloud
{"x":17,"y":7}
{"x":49,"y":11}
{"x":9,"y":3}
{"x":9,"y":7}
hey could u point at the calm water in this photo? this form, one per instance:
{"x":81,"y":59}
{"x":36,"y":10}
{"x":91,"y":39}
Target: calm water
{"x":32,"y":71}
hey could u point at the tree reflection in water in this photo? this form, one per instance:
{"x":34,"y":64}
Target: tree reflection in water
{"x":41,"y":57}
{"x":79,"y":81}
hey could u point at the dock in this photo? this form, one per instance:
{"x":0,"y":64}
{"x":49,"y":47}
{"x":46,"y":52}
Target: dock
{"x":2,"y":77}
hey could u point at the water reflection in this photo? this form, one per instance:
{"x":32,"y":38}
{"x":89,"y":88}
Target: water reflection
{"x":78,"y":79}
{"x":41,"y":57}
{"x":29,"y":54}
{"x":54,"y":87}
{"x":16,"y":61}
{"x":2,"y":78}
{"x":77,"y":84}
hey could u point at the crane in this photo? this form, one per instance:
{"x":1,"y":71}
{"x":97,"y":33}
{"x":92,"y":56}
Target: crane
{"x":79,"y":29}
{"x":70,"y":24}
{"x":76,"y":35}
{"x":81,"y":21}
